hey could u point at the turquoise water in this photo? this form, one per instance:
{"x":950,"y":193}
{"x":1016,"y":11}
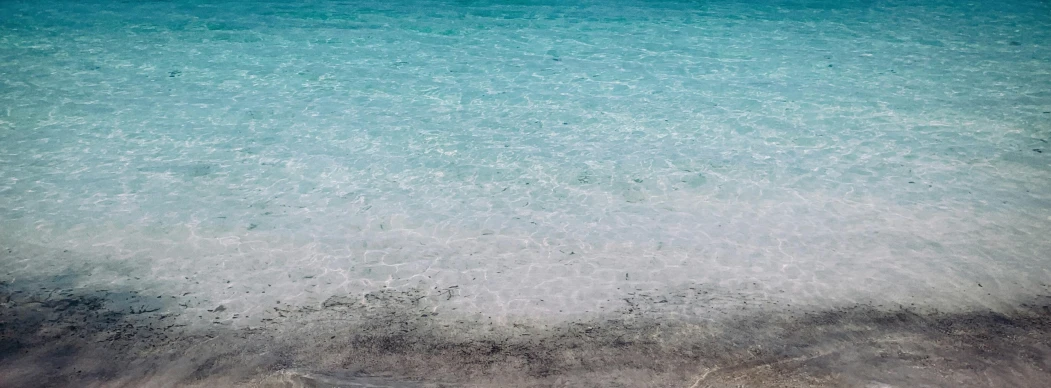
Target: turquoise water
{"x":520,"y":161}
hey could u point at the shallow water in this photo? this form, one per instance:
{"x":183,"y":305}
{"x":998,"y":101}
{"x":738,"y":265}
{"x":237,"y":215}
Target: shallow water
{"x":229,"y":178}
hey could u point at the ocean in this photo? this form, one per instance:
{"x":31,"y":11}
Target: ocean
{"x":525,"y":193}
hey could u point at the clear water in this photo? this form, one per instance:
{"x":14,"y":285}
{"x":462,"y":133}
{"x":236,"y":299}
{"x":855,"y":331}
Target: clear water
{"x":538,"y":161}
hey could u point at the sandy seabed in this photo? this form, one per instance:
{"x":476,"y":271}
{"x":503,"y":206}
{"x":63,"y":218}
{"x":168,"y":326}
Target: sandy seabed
{"x":108,"y":338}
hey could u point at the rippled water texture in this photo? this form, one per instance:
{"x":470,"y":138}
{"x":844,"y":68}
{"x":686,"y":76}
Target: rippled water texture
{"x":525,"y":193}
